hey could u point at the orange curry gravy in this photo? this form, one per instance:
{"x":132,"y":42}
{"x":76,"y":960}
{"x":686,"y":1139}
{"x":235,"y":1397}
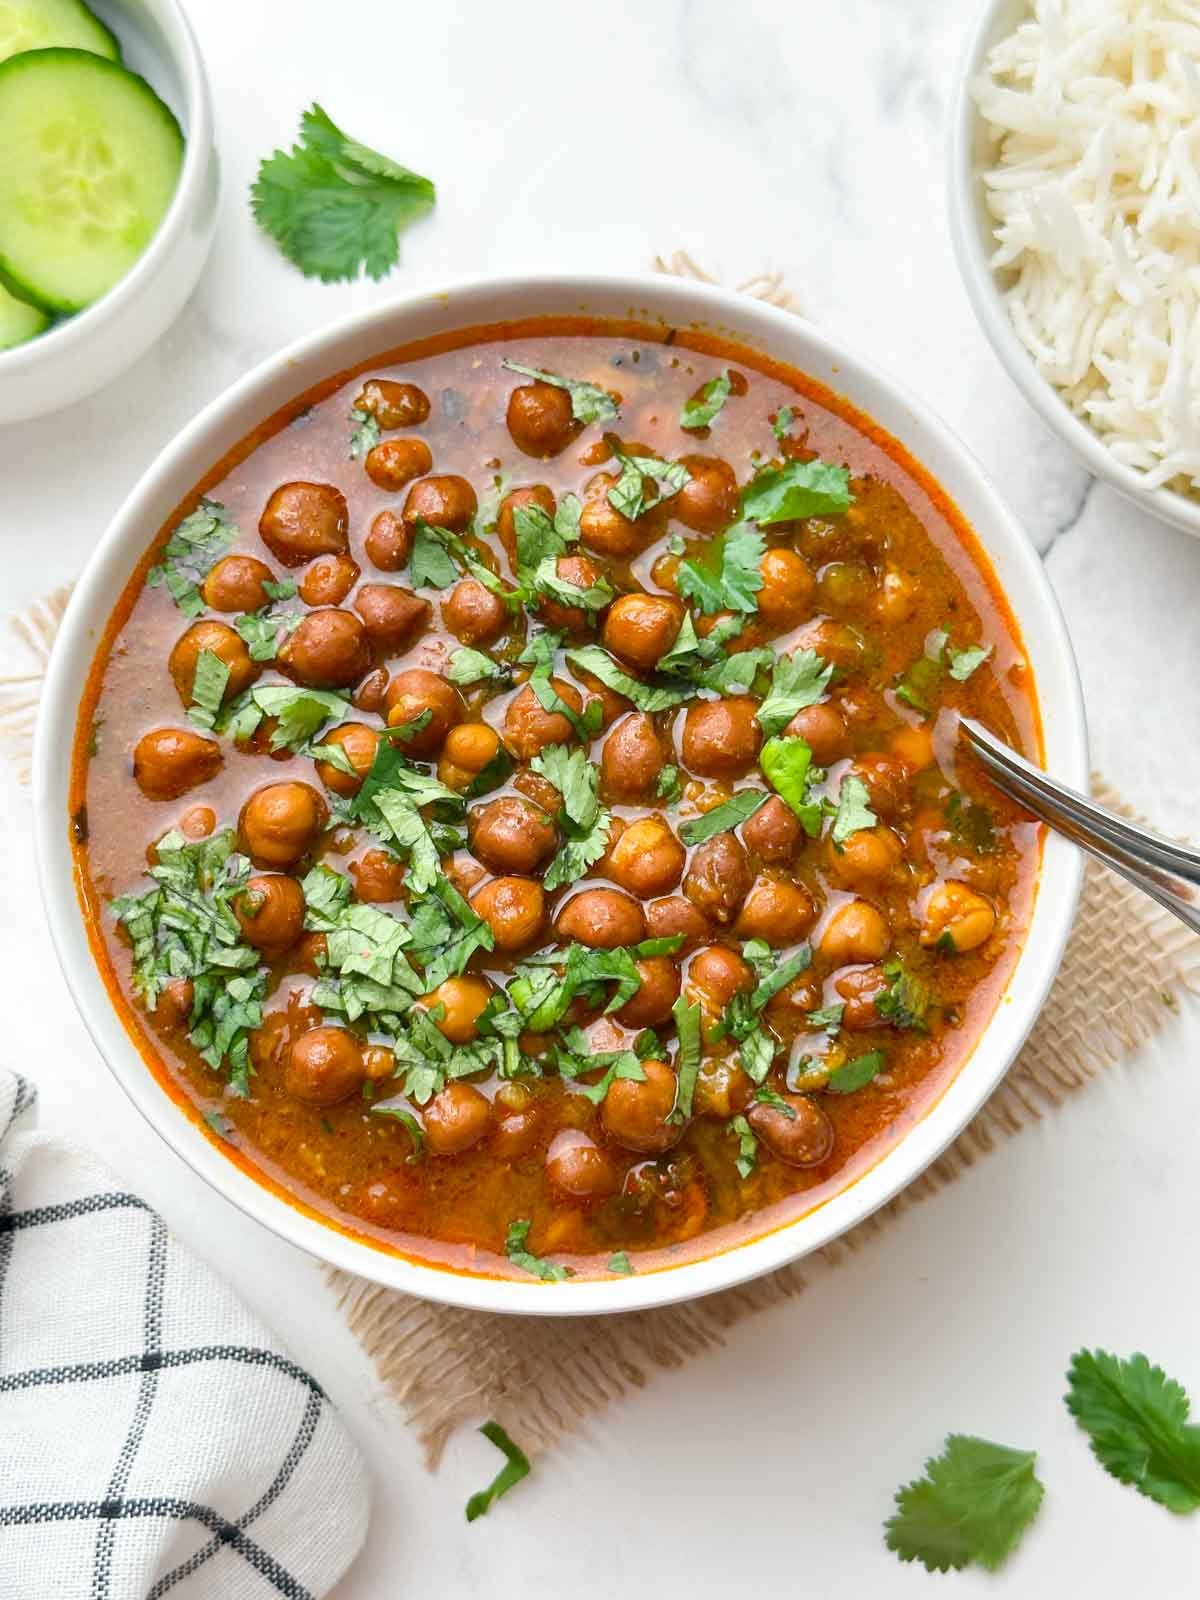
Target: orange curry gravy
{"x":913,"y":920}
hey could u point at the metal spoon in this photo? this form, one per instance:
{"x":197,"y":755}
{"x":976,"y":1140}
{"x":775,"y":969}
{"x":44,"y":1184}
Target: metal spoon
{"x":1167,"y":872}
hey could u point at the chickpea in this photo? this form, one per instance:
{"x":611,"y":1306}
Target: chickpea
{"x":219,"y":640}
{"x":538,"y":789}
{"x":473,"y":613}
{"x":304,"y":520}
{"x":379,"y":1063}
{"x":235,"y":583}
{"x":601,"y":918}
{"x":311,"y":954}
{"x":470,"y":747}
{"x":514,"y":909}
{"x":536,"y":494}
{"x":602,"y":527}
{"x":675,"y":915}
{"x":328,"y":580}
{"x":393,"y":405}
{"x":647,"y":859}
{"x":464,"y":1000}
{"x":413,"y":692}
{"x":396,"y":462}
{"x":378,"y":877}
{"x":170,"y":761}
{"x":708,"y":501}
{"x":584,"y":573}
{"x":785,"y":599}
{"x":577,"y":1169}
{"x":641,"y":628}
{"x":324,"y":1066}
{"x":721,"y":737}
{"x":636,"y":1112}
{"x":846,"y":586}
{"x":519,"y":1121}
{"x":866,"y":858}
{"x":540,"y":419}
{"x":897,"y":598}
{"x":855,"y":932}
{"x":777,"y":910}
{"x":197,"y":822}
{"x":888,"y":780}
{"x":716,"y":974}
{"x":718,"y":878}
{"x":823,"y":729}
{"x":358,"y":743}
{"x":173,"y":1005}
{"x":511,"y":835}
{"x":529,"y":728}
{"x":914,"y":745}
{"x":456,"y":1119}
{"x":722,"y":1089}
{"x":393,"y":617}
{"x":651,"y":1006}
{"x":860,"y":990}
{"x":612,"y":704}
{"x":773,"y":832}
{"x":835,"y":641}
{"x":270,"y":910}
{"x":631,"y":759}
{"x":802,"y":1140}
{"x":327,"y":649}
{"x":279,"y":824}
{"x":368,"y":696}
{"x":956,"y":918}
{"x":443,"y":502}
{"x":389,"y":542}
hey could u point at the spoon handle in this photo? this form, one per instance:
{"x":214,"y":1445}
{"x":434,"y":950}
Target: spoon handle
{"x":1168,"y":872}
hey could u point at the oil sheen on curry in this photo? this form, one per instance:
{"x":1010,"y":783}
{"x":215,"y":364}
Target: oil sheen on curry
{"x":517,"y":806}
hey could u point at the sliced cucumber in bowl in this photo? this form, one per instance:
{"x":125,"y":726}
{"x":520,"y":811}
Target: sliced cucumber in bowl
{"x":89,"y":160}
{"x":46,"y":24}
{"x":19,"y":321}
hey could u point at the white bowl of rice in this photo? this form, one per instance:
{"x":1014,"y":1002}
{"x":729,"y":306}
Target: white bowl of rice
{"x":1075,"y":210}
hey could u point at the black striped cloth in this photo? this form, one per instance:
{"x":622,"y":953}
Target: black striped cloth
{"x":154,"y":1439}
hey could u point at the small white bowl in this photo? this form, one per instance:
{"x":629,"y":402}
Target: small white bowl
{"x":974,"y":243}
{"x":83,"y":352}
{"x":672,"y":302}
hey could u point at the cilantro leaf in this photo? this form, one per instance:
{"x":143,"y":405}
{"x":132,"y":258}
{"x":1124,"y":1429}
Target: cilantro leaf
{"x":973,"y":1504}
{"x":430,"y":565}
{"x":1137,"y":1420}
{"x":209,"y":682}
{"x":668,"y":787}
{"x":726,"y":575}
{"x":687,"y":1023}
{"x":591,"y":658}
{"x":588,"y":402}
{"x":747,"y":1156}
{"x":703,"y":410}
{"x":786,"y":762}
{"x":516,"y":1467}
{"x":799,"y":489}
{"x":784,"y":418}
{"x":797,"y":681}
{"x":853,"y":809}
{"x":770,"y":983}
{"x":300,"y":712}
{"x":620,"y":1262}
{"x":195,"y":546}
{"x":729,"y":814}
{"x":335,"y":207}
{"x":827,"y":1017}
{"x":514,"y":1249}
{"x":474,"y":666}
{"x":971,"y":824}
{"x":547,"y":582}
{"x":263,"y":631}
{"x":905,"y":1000}
{"x":856,"y":1074}
{"x":628,"y":494}
{"x":445,"y":933}
{"x":415,"y":1131}
{"x":542,"y":684}
{"x":964,"y":662}
{"x":364,"y":433}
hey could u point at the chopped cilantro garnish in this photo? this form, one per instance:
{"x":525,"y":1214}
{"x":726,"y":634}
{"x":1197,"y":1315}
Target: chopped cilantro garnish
{"x":964,"y":662}
{"x":828,"y":1018}
{"x":584,"y":821}
{"x":263,"y":631}
{"x":415,"y":1130}
{"x":729,"y":814}
{"x":430,"y":566}
{"x":687,"y":1016}
{"x":196,"y":544}
{"x":209,"y":683}
{"x":725,"y":576}
{"x":514,"y":1249}
{"x":668,"y":787}
{"x":628,"y":494}
{"x":473,"y":666}
{"x":575,"y":1057}
{"x":747,"y":1156}
{"x":905,"y":1000}
{"x":299,"y":712}
{"x":588,"y":402}
{"x":786,"y":762}
{"x":784,"y":418}
{"x":620,"y":1262}
{"x":799,"y":489}
{"x":516,"y":1467}
{"x":973,"y":1504}
{"x":335,"y":207}
{"x":853,"y":810}
{"x":771,"y":982}
{"x":856,"y":1074}
{"x":971,"y":823}
{"x":445,"y":933}
{"x":706,"y":407}
{"x":548,"y":697}
{"x":364,"y":433}
{"x":591,"y":658}
{"x":797,"y":681}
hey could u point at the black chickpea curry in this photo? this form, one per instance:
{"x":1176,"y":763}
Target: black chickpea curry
{"x":516,"y":800}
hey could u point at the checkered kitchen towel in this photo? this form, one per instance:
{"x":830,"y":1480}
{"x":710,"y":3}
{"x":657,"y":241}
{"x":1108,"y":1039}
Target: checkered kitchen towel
{"x":154,"y":1440}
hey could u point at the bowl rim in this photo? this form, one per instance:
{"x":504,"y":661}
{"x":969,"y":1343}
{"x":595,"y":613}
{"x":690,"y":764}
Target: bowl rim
{"x":124,"y":542}
{"x":77,"y":329}
{"x":968,"y":230}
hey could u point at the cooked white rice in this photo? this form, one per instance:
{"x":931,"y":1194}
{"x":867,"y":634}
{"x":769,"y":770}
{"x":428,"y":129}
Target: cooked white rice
{"x":1094,"y":106}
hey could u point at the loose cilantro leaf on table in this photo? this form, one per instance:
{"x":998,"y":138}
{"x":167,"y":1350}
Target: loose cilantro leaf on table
{"x":725,"y":576}
{"x":853,"y":810}
{"x":514,"y":1249}
{"x":628,"y":494}
{"x":973,"y":1504}
{"x":741,"y":805}
{"x":516,"y":1467}
{"x":786,"y":762}
{"x":799,"y":489}
{"x":702,"y":411}
{"x":591,"y":658}
{"x":797,"y":681}
{"x":1137,"y":1420}
{"x":856,"y":1074}
{"x":335,"y":207}
{"x":588,"y":402}
{"x":195,"y":546}
{"x":209,"y":682}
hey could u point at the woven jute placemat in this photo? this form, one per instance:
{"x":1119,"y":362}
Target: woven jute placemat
{"x":1126,"y":966}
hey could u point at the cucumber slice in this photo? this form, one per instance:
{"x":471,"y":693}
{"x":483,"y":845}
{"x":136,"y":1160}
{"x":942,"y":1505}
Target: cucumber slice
{"x":18,"y":321}
{"x":89,"y":160}
{"x":45,"y":24}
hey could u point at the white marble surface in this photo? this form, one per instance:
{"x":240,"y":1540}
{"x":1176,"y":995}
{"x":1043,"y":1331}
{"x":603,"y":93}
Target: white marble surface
{"x":761,"y":135}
